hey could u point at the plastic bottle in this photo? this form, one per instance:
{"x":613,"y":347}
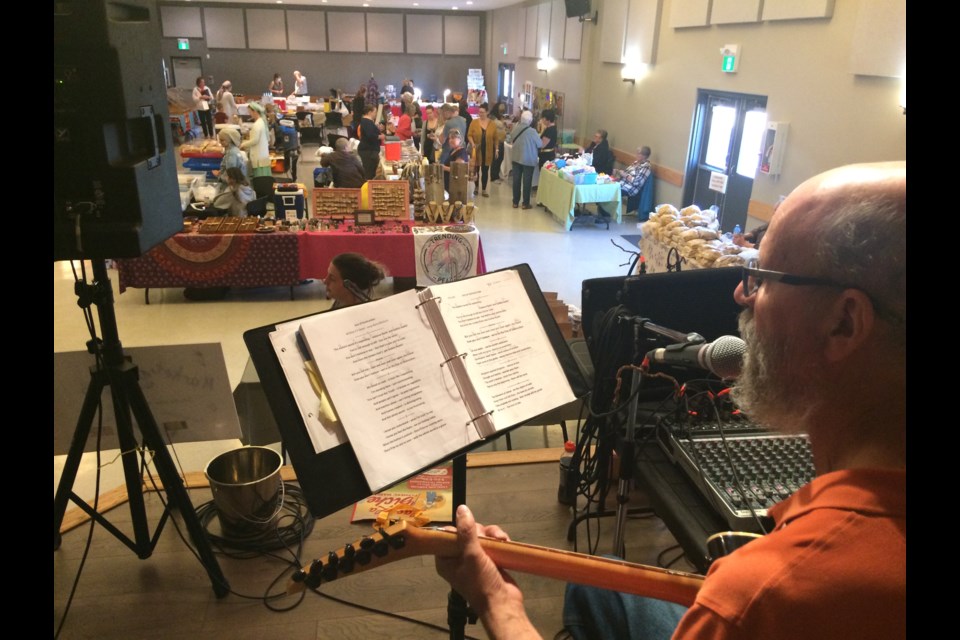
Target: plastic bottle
{"x":569,"y":476}
{"x":737,"y":230}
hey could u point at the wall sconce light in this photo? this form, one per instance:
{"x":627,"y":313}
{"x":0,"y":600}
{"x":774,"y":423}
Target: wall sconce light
{"x":546,"y":64}
{"x":633,"y":72}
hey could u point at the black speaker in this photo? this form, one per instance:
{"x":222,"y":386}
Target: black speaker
{"x":577,"y":8}
{"x":115,"y":177}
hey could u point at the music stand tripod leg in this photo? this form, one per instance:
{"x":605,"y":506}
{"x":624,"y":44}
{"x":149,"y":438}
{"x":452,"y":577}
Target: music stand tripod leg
{"x":458,"y":610}
{"x":115,"y":370}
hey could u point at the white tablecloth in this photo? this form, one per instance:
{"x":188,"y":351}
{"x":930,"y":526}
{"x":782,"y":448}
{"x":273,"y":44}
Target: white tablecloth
{"x":445,"y":253}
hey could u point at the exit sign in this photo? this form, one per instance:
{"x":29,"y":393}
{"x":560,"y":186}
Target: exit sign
{"x":731,"y":54}
{"x":183,"y":44}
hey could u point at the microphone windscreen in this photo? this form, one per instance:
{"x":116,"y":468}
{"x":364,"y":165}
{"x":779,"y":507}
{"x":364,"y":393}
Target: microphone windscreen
{"x":725,"y":357}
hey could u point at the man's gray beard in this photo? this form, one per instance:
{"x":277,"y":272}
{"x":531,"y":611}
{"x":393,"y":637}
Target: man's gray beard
{"x":769,"y":389}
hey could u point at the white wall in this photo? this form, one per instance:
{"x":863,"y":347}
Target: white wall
{"x":802,"y":66}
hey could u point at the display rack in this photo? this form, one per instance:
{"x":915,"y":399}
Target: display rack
{"x":335,"y":203}
{"x":389,"y":199}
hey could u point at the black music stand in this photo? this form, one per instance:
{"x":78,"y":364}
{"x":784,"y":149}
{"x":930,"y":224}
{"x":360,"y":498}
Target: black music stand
{"x":117,"y":371}
{"x":338,"y":468}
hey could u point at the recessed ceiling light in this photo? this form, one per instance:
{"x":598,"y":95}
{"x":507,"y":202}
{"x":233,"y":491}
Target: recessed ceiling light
{"x":416,"y":4}
{"x":469,"y":1}
{"x":455,"y":8}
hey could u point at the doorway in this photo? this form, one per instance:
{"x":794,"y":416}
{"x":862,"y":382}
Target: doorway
{"x":726,"y":144}
{"x":186,"y":71}
{"x":505,"y":84}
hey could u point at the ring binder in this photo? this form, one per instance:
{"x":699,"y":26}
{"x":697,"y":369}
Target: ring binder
{"x":456,"y":355}
{"x":485,"y":413}
{"x":436,"y":299}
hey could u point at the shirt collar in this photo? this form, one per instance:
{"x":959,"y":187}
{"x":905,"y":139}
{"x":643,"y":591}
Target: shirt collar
{"x":879,"y":492}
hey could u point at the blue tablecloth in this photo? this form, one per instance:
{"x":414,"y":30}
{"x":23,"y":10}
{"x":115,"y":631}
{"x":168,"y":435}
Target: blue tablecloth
{"x":560,"y":197}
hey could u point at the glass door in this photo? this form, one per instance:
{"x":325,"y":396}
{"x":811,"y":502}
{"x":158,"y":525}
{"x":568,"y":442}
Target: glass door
{"x":726,"y":145}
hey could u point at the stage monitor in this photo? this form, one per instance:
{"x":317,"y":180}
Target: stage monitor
{"x":577,"y":8}
{"x":695,"y":301}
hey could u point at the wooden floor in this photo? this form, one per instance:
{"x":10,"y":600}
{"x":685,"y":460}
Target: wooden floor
{"x":169,"y":595}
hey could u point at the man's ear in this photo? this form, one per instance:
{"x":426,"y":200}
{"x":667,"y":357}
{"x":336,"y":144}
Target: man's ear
{"x":850,"y":320}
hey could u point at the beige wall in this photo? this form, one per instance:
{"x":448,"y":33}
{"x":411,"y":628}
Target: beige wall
{"x":802,"y":66}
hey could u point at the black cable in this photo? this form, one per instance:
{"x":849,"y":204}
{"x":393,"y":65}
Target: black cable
{"x":667,"y":565}
{"x":389,"y":614}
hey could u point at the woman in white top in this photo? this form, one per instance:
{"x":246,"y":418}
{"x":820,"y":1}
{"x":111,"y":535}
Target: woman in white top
{"x":299,"y":84}
{"x":201,"y":102}
{"x":226,"y":100}
{"x":257,"y":145}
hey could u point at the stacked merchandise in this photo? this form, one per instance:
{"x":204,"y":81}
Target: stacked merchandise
{"x":695,"y":235}
{"x":476,"y":92}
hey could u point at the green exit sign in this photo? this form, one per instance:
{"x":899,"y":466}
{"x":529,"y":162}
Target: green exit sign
{"x":730,"y":54}
{"x":183,"y":44}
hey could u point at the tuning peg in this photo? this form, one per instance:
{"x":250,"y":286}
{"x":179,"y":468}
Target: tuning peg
{"x":316,"y":572}
{"x":330,"y":569}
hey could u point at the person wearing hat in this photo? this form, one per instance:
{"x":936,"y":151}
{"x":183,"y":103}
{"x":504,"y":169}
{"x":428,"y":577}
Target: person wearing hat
{"x":232,"y":155}
{"x":228,"y":102}
{"x":258,"y":144}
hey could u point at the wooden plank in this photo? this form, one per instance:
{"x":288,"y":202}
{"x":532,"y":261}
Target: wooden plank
{"x":760,"y":210}
{"x":198,"y":479}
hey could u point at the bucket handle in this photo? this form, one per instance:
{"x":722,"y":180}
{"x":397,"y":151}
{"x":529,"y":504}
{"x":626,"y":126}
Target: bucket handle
{"x":283,"y":492}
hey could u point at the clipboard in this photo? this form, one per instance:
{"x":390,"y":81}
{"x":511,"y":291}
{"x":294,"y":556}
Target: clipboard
{"x":332,"y":479}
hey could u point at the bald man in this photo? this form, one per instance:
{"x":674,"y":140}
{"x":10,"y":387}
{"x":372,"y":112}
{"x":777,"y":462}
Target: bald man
{"x":825,"y":328}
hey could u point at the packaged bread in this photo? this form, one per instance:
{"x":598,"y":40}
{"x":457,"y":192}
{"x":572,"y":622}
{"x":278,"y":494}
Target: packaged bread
{"x":667,"y":209}
{"x":686,"y":211}
{"x":729,"y":261}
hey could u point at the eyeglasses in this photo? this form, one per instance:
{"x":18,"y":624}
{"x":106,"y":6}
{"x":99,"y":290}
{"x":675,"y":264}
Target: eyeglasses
{"x":753,"y":277}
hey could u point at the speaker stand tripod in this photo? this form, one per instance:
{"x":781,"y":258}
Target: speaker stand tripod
{"x":117,"y":371}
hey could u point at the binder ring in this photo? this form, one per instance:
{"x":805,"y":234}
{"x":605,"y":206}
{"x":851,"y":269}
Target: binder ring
{"x":457,"y":355}
{"x":436,"y":299}
{"x":485,"y":413}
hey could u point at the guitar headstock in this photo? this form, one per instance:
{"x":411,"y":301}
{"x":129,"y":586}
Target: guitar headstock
{"x":389,"y":544}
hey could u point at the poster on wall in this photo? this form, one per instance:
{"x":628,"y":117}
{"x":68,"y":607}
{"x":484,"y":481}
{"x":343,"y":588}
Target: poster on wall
{"x":548,"y":99}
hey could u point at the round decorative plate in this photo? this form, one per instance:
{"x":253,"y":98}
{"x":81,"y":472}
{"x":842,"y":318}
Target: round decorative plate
{"x":459,"y":228}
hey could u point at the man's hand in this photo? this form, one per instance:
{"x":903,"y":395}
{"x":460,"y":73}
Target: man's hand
{"x":492,"y":593}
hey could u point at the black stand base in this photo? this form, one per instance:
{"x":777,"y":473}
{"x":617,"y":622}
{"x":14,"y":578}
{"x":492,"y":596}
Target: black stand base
{"x":116,"y":371}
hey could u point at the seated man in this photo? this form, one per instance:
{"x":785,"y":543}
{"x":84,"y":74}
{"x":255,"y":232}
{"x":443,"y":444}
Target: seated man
{"x":633,"y":178}
{"x":345,"y":165}
{"x":825,"y":331}
{"x":602,"y":156}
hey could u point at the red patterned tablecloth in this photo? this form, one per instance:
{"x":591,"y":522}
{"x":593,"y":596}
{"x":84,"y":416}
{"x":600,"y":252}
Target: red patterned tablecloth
{"x":263,"y":260}
{"x":215,"y":260}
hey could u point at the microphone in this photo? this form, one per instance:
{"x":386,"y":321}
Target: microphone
{"x":723,"y":357}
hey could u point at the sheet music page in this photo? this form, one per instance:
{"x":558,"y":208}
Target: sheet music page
{"x":510,"y":359}
{"x":319,"y":418}
{"x":381,"y":364}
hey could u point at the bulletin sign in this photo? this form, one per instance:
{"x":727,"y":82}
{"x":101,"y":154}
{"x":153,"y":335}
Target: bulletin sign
{"x":548,"y":99}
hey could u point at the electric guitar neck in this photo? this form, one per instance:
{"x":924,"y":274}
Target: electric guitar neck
{"x":404,"y":540}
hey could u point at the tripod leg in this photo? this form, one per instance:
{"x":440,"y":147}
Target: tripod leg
{"x":130,"y":459}
{"x":72,"y":465}
{"x":173,"y":485}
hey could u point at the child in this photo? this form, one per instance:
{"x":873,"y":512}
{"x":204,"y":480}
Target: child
{"x":233,"y":200}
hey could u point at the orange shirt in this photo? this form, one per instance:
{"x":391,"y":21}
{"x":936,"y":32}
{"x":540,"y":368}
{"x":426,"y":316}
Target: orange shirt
{"x":835,"y":567}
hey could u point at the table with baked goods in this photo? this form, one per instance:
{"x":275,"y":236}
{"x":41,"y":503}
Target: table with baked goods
{"x":689,"y":238}
{"x":560,"y":197}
